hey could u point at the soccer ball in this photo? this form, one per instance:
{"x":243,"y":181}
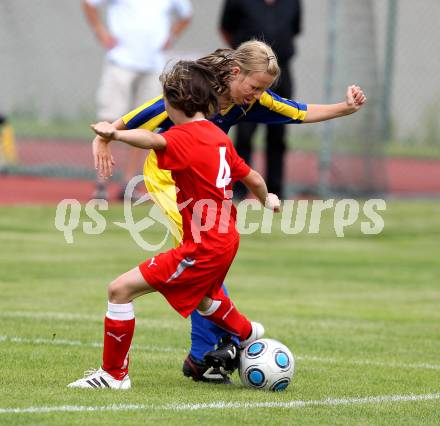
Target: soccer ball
{"x":266,"y":364}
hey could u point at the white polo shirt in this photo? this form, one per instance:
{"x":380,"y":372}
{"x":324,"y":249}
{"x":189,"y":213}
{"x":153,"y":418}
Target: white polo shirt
{"x":141,"y":28}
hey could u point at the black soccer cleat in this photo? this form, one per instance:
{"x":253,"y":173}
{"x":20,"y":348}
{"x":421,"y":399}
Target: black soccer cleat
{"x":201,"y":372}
{"x":226,"y":357}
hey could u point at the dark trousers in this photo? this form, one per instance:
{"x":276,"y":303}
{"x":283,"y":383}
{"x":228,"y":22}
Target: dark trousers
{"x":275,"y":142}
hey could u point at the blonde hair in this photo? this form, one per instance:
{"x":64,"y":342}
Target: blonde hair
{"x":250,"y":56}
{"x":256,"y":56}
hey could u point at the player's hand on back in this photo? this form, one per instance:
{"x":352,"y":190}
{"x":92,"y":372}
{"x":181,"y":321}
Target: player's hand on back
{"x":106,"y":39}
{"x":355,"y":98}
{"x":272,"y":202}
{"x":102,"y":157}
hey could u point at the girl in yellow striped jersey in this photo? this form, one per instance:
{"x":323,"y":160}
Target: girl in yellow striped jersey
{"x":244,"y":78}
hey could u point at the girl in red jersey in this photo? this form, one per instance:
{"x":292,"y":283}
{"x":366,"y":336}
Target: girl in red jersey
{"x":204,"y":165}
{"x":244,"y":77}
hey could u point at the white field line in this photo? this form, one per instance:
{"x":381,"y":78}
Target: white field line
{"x":367,"y":362}
{"x":221,"y":405}
{"x":151,"y":323}
{"x":66,"y":316}
{"x":331,"y":323}
{"x":64,"y":342}
{"x":152,"y":348}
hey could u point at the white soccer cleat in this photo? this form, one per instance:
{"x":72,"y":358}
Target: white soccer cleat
{"x":256,"y":333}
{"x":96,"y":379}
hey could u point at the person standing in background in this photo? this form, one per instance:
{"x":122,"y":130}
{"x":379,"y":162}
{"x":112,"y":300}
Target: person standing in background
{"x":8,"y":151}
{"x":135,"y":37}
{"x":278,"y":23}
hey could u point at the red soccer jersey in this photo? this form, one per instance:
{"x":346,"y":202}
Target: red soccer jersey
{"x":204,"y":164}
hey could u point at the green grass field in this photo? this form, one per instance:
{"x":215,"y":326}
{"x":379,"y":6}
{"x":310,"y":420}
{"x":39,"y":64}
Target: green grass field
{"x":360,"y":313}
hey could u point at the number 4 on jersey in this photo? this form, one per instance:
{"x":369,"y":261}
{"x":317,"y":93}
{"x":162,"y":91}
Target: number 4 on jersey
{"x":224,"y":171}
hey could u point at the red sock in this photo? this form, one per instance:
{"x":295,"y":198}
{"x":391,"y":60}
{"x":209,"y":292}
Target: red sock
{"x":226,"y":316}
{"x":117,"y":340}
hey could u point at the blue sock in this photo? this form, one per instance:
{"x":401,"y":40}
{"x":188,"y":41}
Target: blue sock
{"x":204,"y":334}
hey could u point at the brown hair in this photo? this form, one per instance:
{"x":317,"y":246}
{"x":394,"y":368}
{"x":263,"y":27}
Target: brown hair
{"x":250,"y":56}
{"x":190,"y":87}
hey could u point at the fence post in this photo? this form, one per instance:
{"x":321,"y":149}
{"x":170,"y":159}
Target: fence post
{"x":325,"y":156}
{"x":388,"y":71}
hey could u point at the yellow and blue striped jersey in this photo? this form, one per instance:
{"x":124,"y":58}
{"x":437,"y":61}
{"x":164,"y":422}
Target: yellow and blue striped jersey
{"x":269,"y":109}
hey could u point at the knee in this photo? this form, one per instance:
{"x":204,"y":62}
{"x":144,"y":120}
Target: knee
{"x":208,"y":306}
{"x":117,"y":292}
{"x":205,"y":304}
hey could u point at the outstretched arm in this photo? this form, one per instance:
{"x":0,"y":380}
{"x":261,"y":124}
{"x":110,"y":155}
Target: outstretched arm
{"x":255,"y":183}
{"x":354,"y":100}
{"x":139,"y":138}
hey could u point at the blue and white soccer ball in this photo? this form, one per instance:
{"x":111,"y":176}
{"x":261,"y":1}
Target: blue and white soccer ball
{"x":266,"y":364}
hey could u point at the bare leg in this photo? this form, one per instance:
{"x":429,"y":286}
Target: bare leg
{"x":119,"y":322}
{"x":128,"y":287}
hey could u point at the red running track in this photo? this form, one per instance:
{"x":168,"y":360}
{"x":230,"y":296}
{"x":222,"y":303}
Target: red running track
{"x":404,"y":176}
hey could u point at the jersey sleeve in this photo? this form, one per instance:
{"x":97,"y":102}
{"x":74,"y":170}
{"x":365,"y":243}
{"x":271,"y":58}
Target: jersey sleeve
{"x":183,"y":8}
{"x":148,"y":116}
{"x":177,"y":154}
{"x":297,"y":20}
{"x":95,"y":3}
{"x":231,"y":17}
{"x":239,"y":168}
{"x":274,"y":109}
